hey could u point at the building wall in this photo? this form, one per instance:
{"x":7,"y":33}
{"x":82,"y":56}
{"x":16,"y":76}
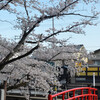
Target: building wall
{"x":90,"y":62}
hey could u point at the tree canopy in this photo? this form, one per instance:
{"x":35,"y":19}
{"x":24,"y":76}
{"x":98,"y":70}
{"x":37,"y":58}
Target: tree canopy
{"x":31,"y":13}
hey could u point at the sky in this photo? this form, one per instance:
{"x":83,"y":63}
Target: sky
{"x":91,"y":39}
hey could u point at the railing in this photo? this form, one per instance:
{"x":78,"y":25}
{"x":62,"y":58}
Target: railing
{"x":83,"y":93}
{"x":32,"y":92}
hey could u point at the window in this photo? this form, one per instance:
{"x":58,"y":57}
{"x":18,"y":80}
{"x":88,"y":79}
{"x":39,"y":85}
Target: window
{"x":97,"y":62}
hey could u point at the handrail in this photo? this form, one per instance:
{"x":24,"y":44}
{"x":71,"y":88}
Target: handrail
{"x":90,"y":95}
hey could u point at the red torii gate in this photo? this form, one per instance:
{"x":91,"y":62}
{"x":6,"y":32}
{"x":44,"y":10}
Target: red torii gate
{"x":90,"y":95}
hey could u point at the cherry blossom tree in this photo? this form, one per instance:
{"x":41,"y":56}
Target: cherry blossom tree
{"x":27,"y":73}
{"x":33,"y":12}
{"x":35,"y":71}
{"x":29,"y":15}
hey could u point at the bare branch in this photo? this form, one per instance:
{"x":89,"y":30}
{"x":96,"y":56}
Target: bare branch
{"x":6,"y":21}
{"x":26,"y":9}
{"x":76,"y":14}
{"x":59,"y":54}
{"x":66,"y":6}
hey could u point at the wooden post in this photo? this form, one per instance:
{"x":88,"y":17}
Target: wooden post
{"x":5,"y":89}
{"x":68,"y":95}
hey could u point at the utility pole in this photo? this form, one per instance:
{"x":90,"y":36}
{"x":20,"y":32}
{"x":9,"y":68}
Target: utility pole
{"x":53,"y":25}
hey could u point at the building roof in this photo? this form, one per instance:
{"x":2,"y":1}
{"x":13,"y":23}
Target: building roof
{"x":77,"y":46}
{"x":96,"y":51}
{"x":69,"y":53}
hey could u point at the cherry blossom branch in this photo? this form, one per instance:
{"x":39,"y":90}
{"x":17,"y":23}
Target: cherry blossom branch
{"x":6,"y":59}
{"x":51,"y":59}
{"x":55,"y":55}
{"x":19,"y":57}
{"x":18,"y":83}
{"x":19,"y":44}
{"x":16,"y":86}
{"x":4,"y":46}
{"x":60,"y":31}
{"x":44,"y":17}
{"x":5,"y":4}
{"x":66,"y":6}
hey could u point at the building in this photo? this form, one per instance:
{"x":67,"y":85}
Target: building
{"x":93,"y":67}
{"x":63,"y":56}
{"x":86,"y":77}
